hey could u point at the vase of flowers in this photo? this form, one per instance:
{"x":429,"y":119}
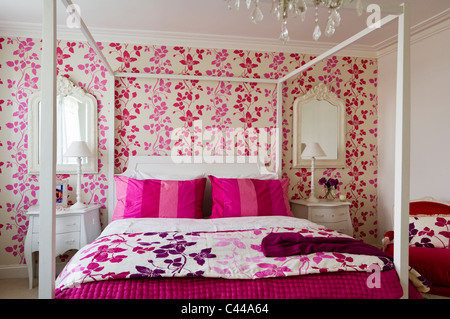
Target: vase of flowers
{"x":331,"y":186}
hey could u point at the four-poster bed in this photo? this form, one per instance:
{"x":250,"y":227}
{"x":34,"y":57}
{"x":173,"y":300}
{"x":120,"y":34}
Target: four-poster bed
{"x":154,"y":253}
{"x":47,"y":269}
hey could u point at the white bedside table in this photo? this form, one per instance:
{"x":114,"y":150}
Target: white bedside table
{"x":333,"y":214}
{"x":74,"y":229}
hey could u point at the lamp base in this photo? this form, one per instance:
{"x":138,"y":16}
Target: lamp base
{"x":78,"y":205}
{"x":313,"y":199}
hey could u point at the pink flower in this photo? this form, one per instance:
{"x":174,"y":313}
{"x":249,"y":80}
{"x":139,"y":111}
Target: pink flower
{"x":248,"y":65}
{"x":272,"y":271}
{"x":426,"y":231}
{"x":30,"y":82}
{"x":189,"y":62}
{"x":164,"y":87}
{"x":355,"y":122}
{"x":24,"y":47}
{"x":303,"y":174}
{"x":189,"y":118}
{"x":60,"y":56}
{"x":355,"y":173}
{"x":99,"y":85}
{"x":248,"y":119}
{"x":126,"y":58}
{"x":442,"y":222}
{"x":126,"y":117}
{"x":355,"y":71}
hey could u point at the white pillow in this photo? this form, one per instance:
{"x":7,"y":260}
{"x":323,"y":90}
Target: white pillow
{"x":185,"y":177}
{"x":175,"y":177}
{"x":249,"y":176}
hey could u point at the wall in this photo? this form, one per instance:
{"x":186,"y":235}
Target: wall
{"x":355,"y":81}
{"x":20,"y":69}
{"x":148,"y":111}
{"x":430,"y":118}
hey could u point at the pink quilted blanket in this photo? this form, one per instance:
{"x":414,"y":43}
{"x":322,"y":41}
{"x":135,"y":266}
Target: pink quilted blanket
{"x":338,"y":285}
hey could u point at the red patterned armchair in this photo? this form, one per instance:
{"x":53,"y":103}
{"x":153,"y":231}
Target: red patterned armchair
{"x":429,"y":243}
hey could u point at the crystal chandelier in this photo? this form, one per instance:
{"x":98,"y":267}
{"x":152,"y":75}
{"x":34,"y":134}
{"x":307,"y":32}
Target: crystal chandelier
{"x":292,"y":8}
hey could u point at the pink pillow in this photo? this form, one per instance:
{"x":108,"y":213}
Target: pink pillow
{"x":233,"y":197}
{"x":158,"y":198}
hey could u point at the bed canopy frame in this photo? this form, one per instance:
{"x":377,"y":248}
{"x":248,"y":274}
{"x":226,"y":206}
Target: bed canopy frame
{"x":48,"y":152}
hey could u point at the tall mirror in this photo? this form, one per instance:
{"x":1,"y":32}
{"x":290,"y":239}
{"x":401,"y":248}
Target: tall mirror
{"x":319,"y":116}
{"x":76,"y":121}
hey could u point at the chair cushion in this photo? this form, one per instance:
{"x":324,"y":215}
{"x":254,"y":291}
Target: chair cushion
{"x":432,"y":263}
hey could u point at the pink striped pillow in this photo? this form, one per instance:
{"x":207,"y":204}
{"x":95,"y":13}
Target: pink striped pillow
{"x":233,"y":197}
{"x":140,"y":198}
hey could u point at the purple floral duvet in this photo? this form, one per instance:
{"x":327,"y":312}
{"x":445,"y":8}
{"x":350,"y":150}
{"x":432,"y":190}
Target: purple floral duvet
{"x":191,"y":249}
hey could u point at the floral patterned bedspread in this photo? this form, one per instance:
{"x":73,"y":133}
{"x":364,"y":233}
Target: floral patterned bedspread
{"x":227,"y":254}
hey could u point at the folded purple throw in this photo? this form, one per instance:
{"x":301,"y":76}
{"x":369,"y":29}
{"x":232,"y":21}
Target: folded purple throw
{"x":288,"y":244}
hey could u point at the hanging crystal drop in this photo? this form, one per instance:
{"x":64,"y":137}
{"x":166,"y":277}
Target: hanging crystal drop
{"x":274,"y":8}
{"x":290,"y":5}
{"x":284,"y":36}
{"x":256,"y":15}
{"x":248,"y":3}
{"x":279,"y":14}
{"x":317,"y":33}
{"x":294,"y":9}
{"x":237,"y":4}
{"x":336,"y":17}
{"x":303,"y":15}
{"x":300,"y":6}
{"x":330,"y":29}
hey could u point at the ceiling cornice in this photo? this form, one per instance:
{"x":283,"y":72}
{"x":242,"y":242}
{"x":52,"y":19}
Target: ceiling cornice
{"x":33,"y":30}
{"x":419,"y":31}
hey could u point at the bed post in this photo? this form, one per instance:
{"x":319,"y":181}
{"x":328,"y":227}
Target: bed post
{"x":279,"y":130}
{"x":111,"y":144}
{"x":402,"y":151}
{"x":338,"y":47}
{"x":48,"y":154}
{"x":90,"y":39}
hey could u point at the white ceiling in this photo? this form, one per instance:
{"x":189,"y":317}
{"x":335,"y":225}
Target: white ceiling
{"x":181,"y":21}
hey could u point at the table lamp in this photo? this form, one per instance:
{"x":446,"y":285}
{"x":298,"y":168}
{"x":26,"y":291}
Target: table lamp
{"x":78,"y":149}
{"x":313,"y":150}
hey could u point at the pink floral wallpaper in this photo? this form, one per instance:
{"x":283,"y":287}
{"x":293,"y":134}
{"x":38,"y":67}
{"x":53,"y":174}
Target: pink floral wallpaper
{"x":149,"y":111}
{"x":354,"y":80}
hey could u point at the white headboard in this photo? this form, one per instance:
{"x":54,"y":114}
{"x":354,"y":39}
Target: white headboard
{"x":189,"y":166}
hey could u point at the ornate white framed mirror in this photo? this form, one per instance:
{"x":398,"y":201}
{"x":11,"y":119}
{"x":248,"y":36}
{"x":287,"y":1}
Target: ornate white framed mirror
{"x":319,"y":116}
{"x":76,"y":121}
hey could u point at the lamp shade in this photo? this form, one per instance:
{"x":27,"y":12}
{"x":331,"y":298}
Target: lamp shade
{"x":78,"y":149}
{"x":313,"y":150}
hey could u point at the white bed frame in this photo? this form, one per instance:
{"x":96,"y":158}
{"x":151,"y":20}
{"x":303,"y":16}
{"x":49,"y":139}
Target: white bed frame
{"x":186,"y":165}
{"x":48,"y":159}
